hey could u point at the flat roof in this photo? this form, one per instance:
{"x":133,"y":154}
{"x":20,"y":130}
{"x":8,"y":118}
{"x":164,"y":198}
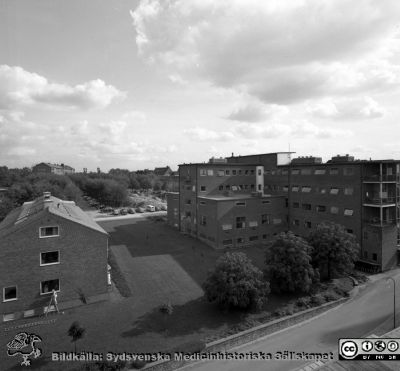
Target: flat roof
{"x":232,"y":164}
{"x":245,"y":196}
{"x":348,"y":163}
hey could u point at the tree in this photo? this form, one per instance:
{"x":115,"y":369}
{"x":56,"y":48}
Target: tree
{"x":289,"y":266}
{"x":76,"y":332}
{"x":334,"y":250}
{"x":236,"y":283}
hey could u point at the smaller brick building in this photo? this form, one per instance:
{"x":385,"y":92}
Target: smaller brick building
{"x":47,"y":168}
{"x":50,"y":244}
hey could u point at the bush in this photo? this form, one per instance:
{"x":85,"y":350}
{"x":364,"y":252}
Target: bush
{"x":331,"y":296}
{"x":317,"y":300}
{"x":167,"y":308}
{"x":303,"y":302}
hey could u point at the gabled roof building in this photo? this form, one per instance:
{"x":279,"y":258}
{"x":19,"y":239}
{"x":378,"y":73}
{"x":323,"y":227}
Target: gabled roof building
{"x":50,"y":244}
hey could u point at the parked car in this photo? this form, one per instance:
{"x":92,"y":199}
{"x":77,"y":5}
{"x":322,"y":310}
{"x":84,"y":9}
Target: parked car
{"x":123,"y":212}
{"x":150,"y":208}
{"x":140,"y":210}
{"x":164,"y":207}
{"x":115,"y":212}
{"x":131,"y":211}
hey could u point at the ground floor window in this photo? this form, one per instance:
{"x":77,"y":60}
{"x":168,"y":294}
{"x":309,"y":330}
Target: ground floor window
{"x":10,"y":293}
{"x":8,"y":317}
{"x":374,"y":257}
{"x":48,"y":286}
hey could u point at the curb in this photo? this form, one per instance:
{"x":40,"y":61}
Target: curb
{"x":248,"y":336}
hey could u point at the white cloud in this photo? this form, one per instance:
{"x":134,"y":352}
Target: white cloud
{"x":20,"y":88}
{"x":134,"y":116}
{"x":256,"y":112}
{"x":279,"y":52}
{"x":203,"y":134}
{"x":347,"y":108}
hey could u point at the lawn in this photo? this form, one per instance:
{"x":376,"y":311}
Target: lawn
{"x":159,"y":265}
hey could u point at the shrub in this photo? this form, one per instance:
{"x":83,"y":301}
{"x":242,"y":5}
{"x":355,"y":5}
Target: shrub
{"x":303,"y":302}
{"x":317,"y":300}
{"x":331,"y":296}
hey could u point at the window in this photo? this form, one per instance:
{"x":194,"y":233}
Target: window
{"x":226,"y":227}
{"x":246,"y":172}
{"x":227,"y":172}
{"x":321,"y":208}
{"x":227,"y":242}
{"x":334,"y":191}
{"x":210,"y":172}
{"x":350,"y":231}
{"x":374,"y":257}
{"x":259,"y":187}
{"x":29,"y":313}
{"x":188,"y":214}
{"x":253,"y":238}
{"x":246,"y":186}
{"x":240,"y":222}
{"x":188,"y":202}
{"x":334,"y":210}
{"x":251,"y":186}
{"x":267,"y":172}
{"x":251,"y":172}
{"x":240,"y":172}
{"x":295,"y":172}
{"x":305,"y":171}
{"x":306,"y":189}
{"x":366,"y":254}
{"x":284,"y":172}
{"x":203,"y":172}
{"x":221,"y":188}
{"x":276,"y":221}
{"x":202,"y":188}
{"x":233,"y":172}
{"x":296,"y":222}
{"x":348,"y":212}
{"x":285,"y":188}
{"x":296,"y":205}
{"x":234,"y":188}
{"x":322,"y":191}
{"x":295,"y":188}
{"x":47,"y":287}
{"x":320,"y":172}
{"x":202,"y":202}
{"x":48,"y":232}
{"x":259,"y":171}
{"x":264,"y":219}
{"x":203,"y":220}
{"x":264,"y":236}
{"x":334,"y":171}
{"x":220,"y":173}
{"x":50,"y":257}
{"x":8,"y":317}
{"x":227,"y":187}
{"x":306,"y":206}
{"x":266,"y":202}
{"x":348,"y":191}
{"x":307,"y":224}
{"x":240,"y":240}
{"x":253,"y":224}
{"x":10,"y":293}
{"x":348,"y":171}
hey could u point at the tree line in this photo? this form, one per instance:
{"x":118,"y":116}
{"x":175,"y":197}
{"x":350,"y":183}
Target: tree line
{"x":109,"y":188}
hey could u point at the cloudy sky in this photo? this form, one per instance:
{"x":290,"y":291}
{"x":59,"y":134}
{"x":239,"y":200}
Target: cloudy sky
{"x":143,"y":83}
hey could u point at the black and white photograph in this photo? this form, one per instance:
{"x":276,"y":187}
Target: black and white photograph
{"x":199,"y":185}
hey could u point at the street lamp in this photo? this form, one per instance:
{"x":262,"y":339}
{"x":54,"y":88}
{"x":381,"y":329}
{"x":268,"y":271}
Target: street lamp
{"x":394,"y":300}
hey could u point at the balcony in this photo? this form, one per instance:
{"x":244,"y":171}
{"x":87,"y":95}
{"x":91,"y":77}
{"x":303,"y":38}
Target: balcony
{"x":377,"y":201}
{"x":379,"y":179}
{"x":376,"y":222}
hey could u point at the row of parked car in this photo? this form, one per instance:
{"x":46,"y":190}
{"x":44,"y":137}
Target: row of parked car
{"x":124,"y":211}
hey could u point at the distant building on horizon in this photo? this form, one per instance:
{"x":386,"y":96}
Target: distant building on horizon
{"x":48,"y":168}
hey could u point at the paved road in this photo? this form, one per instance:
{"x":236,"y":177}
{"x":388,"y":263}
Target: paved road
{"x":369,"y":312}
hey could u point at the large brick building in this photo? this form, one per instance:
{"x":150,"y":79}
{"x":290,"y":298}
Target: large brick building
{"x":245,"y":200}
{"x":47,"y":168}
{"x":50,"y":244}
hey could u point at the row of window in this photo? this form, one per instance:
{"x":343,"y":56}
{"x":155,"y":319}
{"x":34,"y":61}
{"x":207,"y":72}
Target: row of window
{"x":241,"y":222}
{"x":227,"y":187}
{"x":237,"y":203}
{"x":242,"y":240}
{"x":347,"y":191}
{"x":309,"y":171}
{"x":228,"y":172}
{"x":10,"y":293}
{"x":374,"y":255}
{"x":307,"y":224}
{"x":322,"y":208}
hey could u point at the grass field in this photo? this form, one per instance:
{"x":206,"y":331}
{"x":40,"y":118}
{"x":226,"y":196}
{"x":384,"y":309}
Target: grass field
{"x":158,"y":264}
